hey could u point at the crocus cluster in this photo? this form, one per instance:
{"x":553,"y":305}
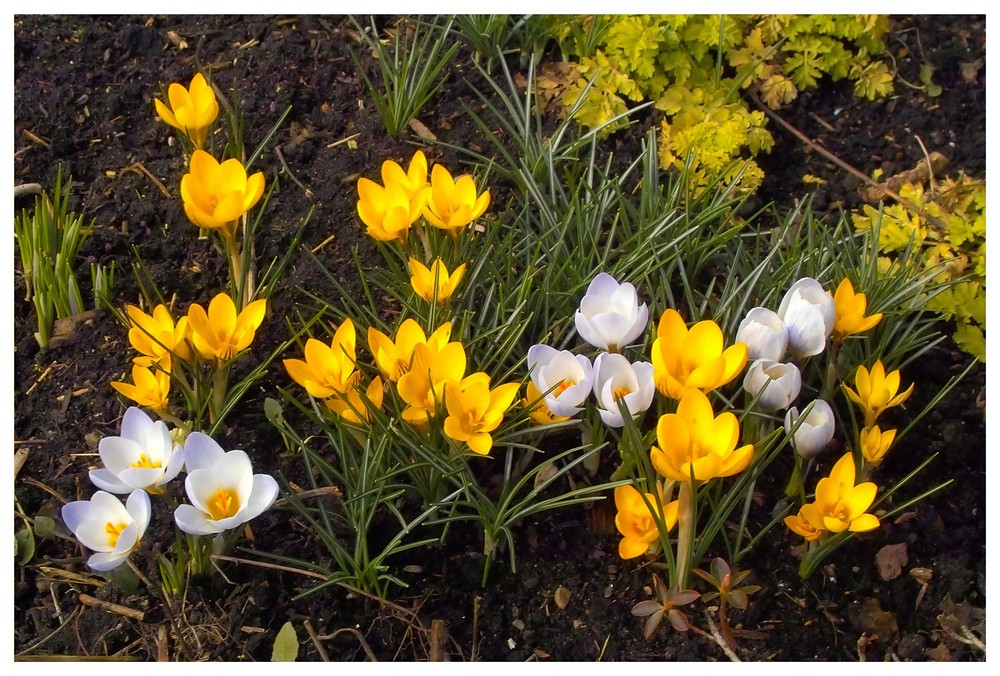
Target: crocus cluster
{"x":840,"y":505}
{"x":222,"y":490}
{"x":875,"y":392}
{"x":166,"y":349}
{"x":429,"y":374}
{"x":408,"y":201}
{"x":609,"y":318}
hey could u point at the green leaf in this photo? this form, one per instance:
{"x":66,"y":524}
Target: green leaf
{"x":24,"y":545}
{"x":44,"y":526}
{"x":123,"y":578}
{"x":286,"y":644}
{"x":272,"y":410}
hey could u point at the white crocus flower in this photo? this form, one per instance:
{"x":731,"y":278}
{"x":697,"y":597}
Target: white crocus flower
{"x":780,"y":384}
{"x":610,"y":316}
{"x":764,"y":334}
{"x":815,"y":428}
{"x":616,"y":379}
{"x":144,"y":456}
{"x":107,"y":527}
{"x":808,"y":313}
{"x":223,"y":490}
{"x":570,"y":378}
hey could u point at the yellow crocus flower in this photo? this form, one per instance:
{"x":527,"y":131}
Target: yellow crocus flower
{"x":876,"y":391}
{"x":422,"y":388}
{"x":328,"y":370}
{"x":474,"y":410}
{"x":216,"y":195}
{"x":840,"y":504}
{"x":191,"y":110}
{"x":850,"y":308}
{"x":425,"y":280}
{"x":352,"y":408}
{"x":875,"y":443}
{"x":694,"y":443}
{"x":156,"y":337}
{"x":806,"y":523}
{"x":220,"y":334}
{"x":453,"y":204}
{"x":685,"y":359}
{"x":150,"y":389}
{"x":413,"y":181}
{"x":637,"y":524}
{"x":389,"y":211}
{"x":394,"y":358}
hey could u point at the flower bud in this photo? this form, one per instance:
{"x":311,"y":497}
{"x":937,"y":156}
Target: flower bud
{"x":610,"y":316}
{"x":780,"y":384}
{"x":815,"y":428}
{"x":615,"y":378}
{"x":764,"y":334}
{"x":809,"y":314}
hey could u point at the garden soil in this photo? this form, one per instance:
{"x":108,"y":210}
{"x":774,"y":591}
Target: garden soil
{"x":83,"y":97}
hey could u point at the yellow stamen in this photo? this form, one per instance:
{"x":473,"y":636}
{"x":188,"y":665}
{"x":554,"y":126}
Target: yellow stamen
{"x":621,"y":393}
{"x":223,"y":504}
{"x":563,"y":386}
{"x":114,"y":531}
{"x":146,"y":463}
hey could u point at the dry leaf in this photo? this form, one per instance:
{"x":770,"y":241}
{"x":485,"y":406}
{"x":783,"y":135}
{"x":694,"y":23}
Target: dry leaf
{"x":869,"y":618}
{"x":890,"y":560}
{"x":970,"y":70}
{"x":421,"y":130}
{"x":561,"y":597}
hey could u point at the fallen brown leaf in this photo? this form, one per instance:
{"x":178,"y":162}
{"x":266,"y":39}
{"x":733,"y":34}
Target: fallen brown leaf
{"x":890,"y":560}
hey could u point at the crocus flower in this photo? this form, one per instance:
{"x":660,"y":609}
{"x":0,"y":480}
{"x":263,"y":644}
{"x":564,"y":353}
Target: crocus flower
{"x":694,"y":443}
{"x":815,"y":428}
{"x":810,"y":530}
{"x":780,"y":384}
{"x":808,"y":313}
{"x":610,"y":316}
{"x":107,"y":527}
{"x":413,"y":181}
{"x":538,"y":410}
{"x":637,"y":524}
{"x":394,"y":358}
{"x":764,"y":334}
{"x":220,"y":334}
{"x":686,"y":359}
{"x":216,"y":195}
{"x":474,"y":410}
{"x":616,"y":379}
{"x":156,"y":337}
{"x":144,"y":456}
{"x":840,"y":505}
{"x":453,"y":204}
{"x":191,"y":110}
{"x":328,"y":369}
{"x":150,"y":389}
{"x":434,"y":282}
{"x":223,"y":490}
{"x":389,"y":211}
{"x":876,"y":391}
{"x":566,"y":377}
{"x":875,"y":443}
{"x":352,"y":408}
{"x":850,"y":312}
{"x":422,"y":388}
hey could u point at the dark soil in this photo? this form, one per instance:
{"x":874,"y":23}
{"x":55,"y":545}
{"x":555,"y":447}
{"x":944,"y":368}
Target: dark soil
{"x":83,"y":97}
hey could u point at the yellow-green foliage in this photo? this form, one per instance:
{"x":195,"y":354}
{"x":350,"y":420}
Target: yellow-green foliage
{"x":952,"y":240}
{"x":693,"y":66}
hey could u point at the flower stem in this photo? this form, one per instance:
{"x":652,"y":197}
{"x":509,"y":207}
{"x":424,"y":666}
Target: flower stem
{"x":685,"y":532}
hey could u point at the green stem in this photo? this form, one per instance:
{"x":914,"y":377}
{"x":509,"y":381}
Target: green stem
{"x":685,"y":531}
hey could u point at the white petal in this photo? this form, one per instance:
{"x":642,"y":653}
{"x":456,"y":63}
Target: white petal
{"x":191,"y":520}
{"x":93,"y":536}
{"x":136,"y":424}
{"x":639,"y":323}
{"x":201,"y":450}
{"x":262,"y":496}
{"x":558,"y":407}
{"x":234,"y":471}
{"x":538,"y":357}
{"x":118,"y":453}
{"x":139,"y":507}
{"x":612,"y":328}
{"x":126,"y":539}
{"x":103,"y":561}
{"x":587,"y":332}
{"x":174,"y":466}
{"x":612,"y":418}
{"x":602,"y":285}
{"x":106,"y":481}
{"x":200,"y":485}
{"x":806,"y":330}
{"x":141,"y":477}
{"x":75,"y":513}
{"x":106,"y":507}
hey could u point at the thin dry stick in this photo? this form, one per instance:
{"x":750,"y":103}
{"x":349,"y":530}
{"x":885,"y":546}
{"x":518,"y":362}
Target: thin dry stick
{"x":109,"y":607}
{"x":361,"y":639}
{"x":721,"y":641}
{"x":475,"y":629}
{"x":315,"y":639}
{"x":844,"y":165}
{"x":140,"y":169}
